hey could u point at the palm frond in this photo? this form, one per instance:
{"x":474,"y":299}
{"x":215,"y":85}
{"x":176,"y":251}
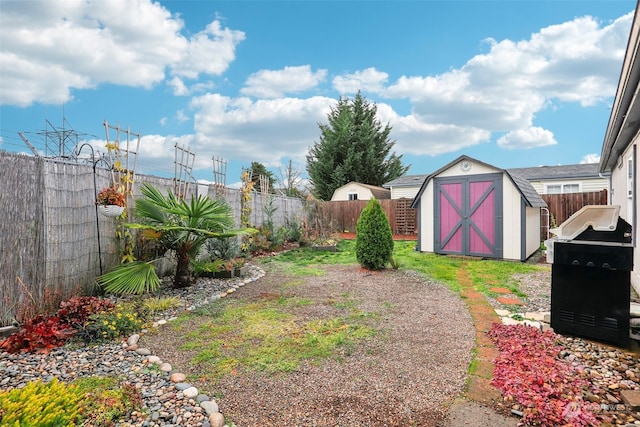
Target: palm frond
{"x":133,"y":278}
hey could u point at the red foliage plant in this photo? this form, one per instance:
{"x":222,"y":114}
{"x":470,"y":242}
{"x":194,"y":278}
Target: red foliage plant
{"x":529,"y":371}
{"x":42,"y":333}
{"x":76,"y":310}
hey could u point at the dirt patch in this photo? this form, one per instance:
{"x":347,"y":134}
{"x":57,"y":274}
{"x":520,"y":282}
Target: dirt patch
{"x":407,"y":374}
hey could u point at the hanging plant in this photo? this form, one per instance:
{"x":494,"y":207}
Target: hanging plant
{"x":110,"y":196}
{"x":111,"y":202}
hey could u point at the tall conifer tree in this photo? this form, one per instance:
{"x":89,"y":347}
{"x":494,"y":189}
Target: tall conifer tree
{"x":353,"y":146}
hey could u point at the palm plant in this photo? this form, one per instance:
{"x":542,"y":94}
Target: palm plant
{"x":183,"y":226}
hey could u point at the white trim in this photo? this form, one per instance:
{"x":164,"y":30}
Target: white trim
{"x":562,"y":185}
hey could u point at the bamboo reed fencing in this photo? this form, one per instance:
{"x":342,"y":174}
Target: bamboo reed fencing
{"x":49,"y":229}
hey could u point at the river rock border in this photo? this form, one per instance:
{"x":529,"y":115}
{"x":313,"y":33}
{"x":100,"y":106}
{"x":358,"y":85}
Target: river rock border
{"x":208,"y":404}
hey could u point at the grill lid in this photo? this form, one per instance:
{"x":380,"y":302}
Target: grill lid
{"x":597,"y":218}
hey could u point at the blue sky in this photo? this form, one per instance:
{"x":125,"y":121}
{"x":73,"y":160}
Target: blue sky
{"x":512,"y":83}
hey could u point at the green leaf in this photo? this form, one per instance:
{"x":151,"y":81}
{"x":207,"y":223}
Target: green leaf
{"x":131,"y":278}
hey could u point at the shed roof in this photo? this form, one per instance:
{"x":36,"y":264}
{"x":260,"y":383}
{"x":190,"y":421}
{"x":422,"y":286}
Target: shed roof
{"x":378,"y":192}
{"x":524,"y":187}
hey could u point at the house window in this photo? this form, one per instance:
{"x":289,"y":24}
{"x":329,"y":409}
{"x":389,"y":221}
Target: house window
{"x":554,"y":189}
{"x":353,"y":196}
{"x":572,"y":187}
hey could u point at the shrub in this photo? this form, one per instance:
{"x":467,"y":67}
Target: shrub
{"x":292,"y":232}
{"x":91,"y":401}
{"x":225,"y":248}
{"x":41,"y":333}
{"x":38,"y":404}
{"x":76,"y":310}
{"x":108,"y":325}
{"x":374,"y":239}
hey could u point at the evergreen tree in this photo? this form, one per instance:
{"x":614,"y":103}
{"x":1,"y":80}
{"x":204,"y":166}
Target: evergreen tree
{"x":353,"y":146}
{"x":258,"y":169}
{"x":374,"y":238}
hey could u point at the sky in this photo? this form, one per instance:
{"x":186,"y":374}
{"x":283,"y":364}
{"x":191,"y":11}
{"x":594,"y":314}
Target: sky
{"x":511,"y":83}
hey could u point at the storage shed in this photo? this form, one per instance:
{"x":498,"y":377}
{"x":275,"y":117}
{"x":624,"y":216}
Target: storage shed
{"x":472,"y":208}
{"x":359,"y":191}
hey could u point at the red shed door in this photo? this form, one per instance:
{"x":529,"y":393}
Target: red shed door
{"x":468,"y":215}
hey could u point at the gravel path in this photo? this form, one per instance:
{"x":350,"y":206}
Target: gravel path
{"x":406,"y":375}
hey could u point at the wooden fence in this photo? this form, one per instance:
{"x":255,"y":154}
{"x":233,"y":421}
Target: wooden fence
{"x":562,"y":206}
{"x":342,"y":216}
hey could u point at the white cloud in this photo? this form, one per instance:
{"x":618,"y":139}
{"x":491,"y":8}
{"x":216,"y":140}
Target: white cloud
{"x":163,"y":121}
{"x":590,"y":158}
{"x":502,"y":90}
{"x":265,"y":130}
{"x":209,"y":52}
{"x":182,"y":117}
{"x":57,"y":46}
{"x":370,"y":80}
{"x":524,"y":139}
{"x":277,"y":83}
{"x":178,"y":87}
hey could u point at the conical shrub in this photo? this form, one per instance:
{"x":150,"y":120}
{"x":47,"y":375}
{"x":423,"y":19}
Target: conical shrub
{"x":374,"y":238}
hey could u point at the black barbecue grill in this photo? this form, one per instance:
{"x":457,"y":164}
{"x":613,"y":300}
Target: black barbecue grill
{"x":590,"y":277}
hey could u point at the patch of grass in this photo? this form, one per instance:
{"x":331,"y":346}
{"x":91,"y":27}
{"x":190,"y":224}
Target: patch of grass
{"x":291,"y":284}
{"x":486,"y":274}
{"x":303,"y":257}
{"x":437,"y":267}
{"x":267,"y":336}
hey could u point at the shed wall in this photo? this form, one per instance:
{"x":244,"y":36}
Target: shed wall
{"x":512,"y":220}
{"x":532,"y":232}
{"x":342,"y":193}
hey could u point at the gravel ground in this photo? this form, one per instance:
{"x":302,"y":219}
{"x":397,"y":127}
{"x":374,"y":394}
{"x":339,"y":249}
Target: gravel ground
{"x":407,"y":374}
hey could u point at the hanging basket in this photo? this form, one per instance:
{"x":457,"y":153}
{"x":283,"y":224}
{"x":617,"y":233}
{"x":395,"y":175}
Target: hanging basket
{"x":110,"y":211}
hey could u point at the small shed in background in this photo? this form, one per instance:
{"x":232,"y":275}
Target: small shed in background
{"x":472,"y":208}
{"x":358,"y":191}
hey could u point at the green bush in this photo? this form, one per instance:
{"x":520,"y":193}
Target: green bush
{"x":92,"y":401}
{"x":109,"y":325}
{"x":223,"y":248}
{"x":53,"y":404}
{"x":374,"y":238}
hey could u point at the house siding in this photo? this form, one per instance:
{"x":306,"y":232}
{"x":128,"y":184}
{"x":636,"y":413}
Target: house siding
{"x":586,"y":185}
{"x":619,"y":196}
{"x":404,"y":192}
